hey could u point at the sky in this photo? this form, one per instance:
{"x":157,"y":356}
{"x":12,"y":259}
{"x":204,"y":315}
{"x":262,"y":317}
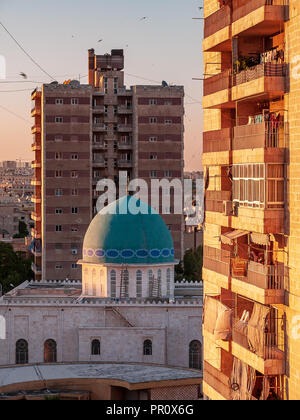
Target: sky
{"x":58,"y":33}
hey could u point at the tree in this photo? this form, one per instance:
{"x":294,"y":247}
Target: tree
{"x":191,"y":267}
{"x":23,"y":231}
{"x":14,"y":268}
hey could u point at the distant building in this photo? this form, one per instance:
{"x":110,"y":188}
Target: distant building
{"x":84,"y":133}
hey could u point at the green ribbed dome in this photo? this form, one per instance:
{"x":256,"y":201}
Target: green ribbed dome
{"x":116,"y":236}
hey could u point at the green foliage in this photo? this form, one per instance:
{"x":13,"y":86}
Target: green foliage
{"x":14,"y":268}
{"x":191,"y":267}
{"x":23,"y":231}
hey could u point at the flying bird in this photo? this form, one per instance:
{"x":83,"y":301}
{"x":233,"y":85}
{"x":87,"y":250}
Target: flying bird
{"x":144,"y":18}
{"x":23,"y":75}
{"x":100,"y":40}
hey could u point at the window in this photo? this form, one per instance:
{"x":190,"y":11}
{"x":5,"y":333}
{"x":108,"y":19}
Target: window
{"x":59,"y":267}
{"x":168,"y":174}
{"x":21,"y":352}
{"x":159,"y":278}
{"x":58,"y":138}
{"x":58,"y":174}
{"x":74,"y":174}
{"x":96,"y":348}
{"x":148,"y":348}
{"x":74,"y":101}
{"x":58,"y":156}
{"x":50,"y":351}
{"x":74,"y":210}
{"x":150,"y":283}
{"x":152,"y":102}
{"x":113,"y":284}
{"x":153,"y":156}
{"x":115,"y":110}
{"x":59,"y":120}
{"x":59,"y":102}
{"x":74,"y":192}
{"x":168,"y":122}
{"x":74,"y":229}
{"x":153,"y":174}
{"x":125,"y":283}
{"x":59,"y":193}
{"x":139,"y":284}
{"x":74,"y":157}
{"x":168,"y":282}
{"x":106,"y":109}
{"x":58,"y":228}
{"x":153,"y":139}
{"x":58,"y":211}
{"x":195,"y":354}
{"x":74,"y":266}
{"x":153,"y":120}
{"x":74,"y":251}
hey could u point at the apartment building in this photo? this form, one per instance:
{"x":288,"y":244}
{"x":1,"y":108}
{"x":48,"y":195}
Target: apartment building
{"x":251,"y":237}
{"x":85,"y":133}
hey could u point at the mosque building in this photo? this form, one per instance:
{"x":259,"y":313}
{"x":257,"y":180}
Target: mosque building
{"x":128,"y":318}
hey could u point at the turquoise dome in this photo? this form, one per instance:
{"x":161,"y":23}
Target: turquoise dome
{"x":116,"y":236}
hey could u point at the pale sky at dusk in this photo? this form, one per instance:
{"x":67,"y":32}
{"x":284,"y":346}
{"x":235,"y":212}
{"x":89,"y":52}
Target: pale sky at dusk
{"x":58,"y":33}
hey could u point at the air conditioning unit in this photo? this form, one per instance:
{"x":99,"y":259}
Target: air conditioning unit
{"x":227,"y":208}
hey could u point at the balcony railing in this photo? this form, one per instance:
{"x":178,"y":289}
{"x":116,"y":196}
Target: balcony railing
{"x":217,"y":83}
{"x":215,"y":200}
{"x":217,"y":21}
{"x":217,"y":140}
{"x":262,"y":135}
{"x":217,"y":380}
{"x":217,"y":260}
{"x":256,"y":72}
{"x":251,"y":5}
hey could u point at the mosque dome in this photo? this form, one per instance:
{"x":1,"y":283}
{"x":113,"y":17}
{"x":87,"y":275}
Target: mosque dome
{"x":117,"y":236}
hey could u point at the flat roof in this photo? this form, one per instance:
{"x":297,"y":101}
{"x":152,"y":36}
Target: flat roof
{"x":128,"y":374}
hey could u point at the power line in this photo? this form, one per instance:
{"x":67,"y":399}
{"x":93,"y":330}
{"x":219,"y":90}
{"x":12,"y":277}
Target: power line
{"x":25,"y":52}
{"x":15,"y":90}
{"x":14,"y":114}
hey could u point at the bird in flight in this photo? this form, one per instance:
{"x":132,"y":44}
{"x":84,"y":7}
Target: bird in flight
{"x":144,"y":18}
{"x":23,"y":75}
{"x":100,"y":40}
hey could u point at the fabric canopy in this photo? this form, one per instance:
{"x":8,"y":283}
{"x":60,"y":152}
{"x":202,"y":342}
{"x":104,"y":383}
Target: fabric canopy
{"x":260,"y":238}
{"x":229,"y":237}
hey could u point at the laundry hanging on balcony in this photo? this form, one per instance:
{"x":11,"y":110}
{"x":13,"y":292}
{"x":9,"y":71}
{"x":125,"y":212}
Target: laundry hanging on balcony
{"x":257,"y":328}
{"x":217,"y":319}
{"x":242,"y":381}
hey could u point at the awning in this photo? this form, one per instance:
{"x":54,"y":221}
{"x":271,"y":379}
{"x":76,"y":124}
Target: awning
{"x":229,"y":237}
{"x":260,"y":238}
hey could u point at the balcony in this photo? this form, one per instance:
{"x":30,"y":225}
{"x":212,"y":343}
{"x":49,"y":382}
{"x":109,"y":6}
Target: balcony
{"x":36,"y":94}
{"x":217,"y":31}
{"x":99,"y":145}
{"x":36,"y":216}
{"x":215,"y":200}
{"x":125,"y":109}
{"x":217,"y":261}
{"x":265,"y":80}
{"x":122,"y":163}
{"x":99,"y":163}
{"x":36,"y":182}
{"x":36,"y":269}
{"x":36,"y":147}
{"x":259,"y":17}
{"x":36,"y":164}
{"x":36,"y":199}
{"x":125,"y":128}
{"x":217,"y":141}
{"x":261,"y":135}
{"x":98,"y":109}
{"x":125,"y":145}
{"x":36,"y":234}
{"x":99,"y":127}
{"x":217,"y":91}
{"x":216,"y":383}
{"x":36,"y":111}
{"x":36,"y":129}
{"x":262,"y":283}
{"x":262,"y":350}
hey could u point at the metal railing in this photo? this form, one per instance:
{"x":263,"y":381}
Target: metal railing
{"x":261,"y":70}
{"x":261,"y":135}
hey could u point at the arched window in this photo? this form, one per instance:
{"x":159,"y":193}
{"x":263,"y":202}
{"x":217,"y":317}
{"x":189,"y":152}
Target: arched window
{"x":126,"y":283}
{"x":84,"y":283}
{"x":50,"y":351}
{"x":195,"y":355}
{"x":139,"y":284}
{"x":168,"y":282}
{"x":147,"y":348}
{"x":150,"y":277}
{"x":113,"y":284}
{"x":94,"y":280}
{"x":159,"y":282}
{"x":96,"y":348}
{"x":21,"y":352}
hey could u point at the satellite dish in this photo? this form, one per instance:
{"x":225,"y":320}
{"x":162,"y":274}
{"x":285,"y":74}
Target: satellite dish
{"x":164,"y":84}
